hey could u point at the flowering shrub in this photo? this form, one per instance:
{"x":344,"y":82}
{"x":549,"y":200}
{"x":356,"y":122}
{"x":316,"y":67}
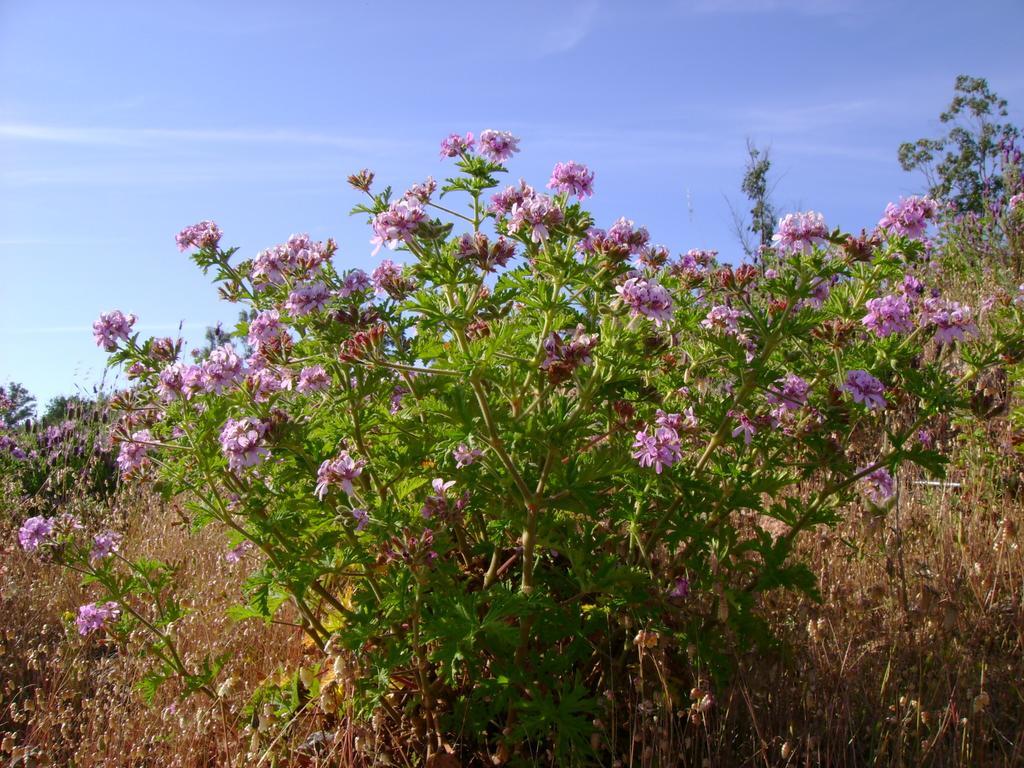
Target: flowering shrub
{"x":491,"y":479}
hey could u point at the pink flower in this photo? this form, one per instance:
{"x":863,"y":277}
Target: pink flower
{"x":865,"y":388}
{"x":497,"y":146}
{"x":362,"y":518}
{"x":34,"y":532}
{"x":788,"y":393}
{"x":179,"y":379}
{"x":93,"y":616}
{"x":307,"y":298}
{"x":397,"y":224}
{"x":341,"y":470}
{"x":355,"y":281}
{"x":388,"y":280}
{"x":724,"y":319}
{"x":889,"y":315}
{"x":537,"y":213}
{"x":421,"y":193}
{"x":298,"y":257}
{"x":265,"y":328}
{"x":237,"y":552}
{"x":454,"y":145}
{"x":112,"y":327}
{"x":313,"y":379}
{"x":951,"y":319}
{"x":1016,"y":202}
{"x":647,"y":298}
{"x":800,"y":232}
{"x":680,"y":588}
{"x":659,"y":449}
{"x":502,"y":202}
{"x":203,"y":235}
{"x":622,"y":240}
{"x":909,"y":217}
{"x":104,"y":545}
{"x":572,"y":178}
{"x":222,"y":369}
{"x":242,"y":441}
{"x":133,"y":452}
{"x":563,"y":356}
{"x":879,"y":486}
{"x":745,"y":427}
{"x":464,"y":456}
{"x":437,"y":504}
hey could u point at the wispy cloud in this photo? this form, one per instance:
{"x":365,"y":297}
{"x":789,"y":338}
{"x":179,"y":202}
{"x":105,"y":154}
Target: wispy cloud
{"x":802,"y":7}
{"x":87,"y":329}
{"x":563,"y":34}
{"x":143,"y":137}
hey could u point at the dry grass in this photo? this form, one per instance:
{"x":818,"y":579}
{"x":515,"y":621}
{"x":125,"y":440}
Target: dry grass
{"x":913,"y":657}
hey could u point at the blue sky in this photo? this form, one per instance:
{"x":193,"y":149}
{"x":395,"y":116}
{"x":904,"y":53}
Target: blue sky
{"x":120,"y":123}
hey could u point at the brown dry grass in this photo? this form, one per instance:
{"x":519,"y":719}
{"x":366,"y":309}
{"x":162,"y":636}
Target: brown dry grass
{"x":913,"y":657}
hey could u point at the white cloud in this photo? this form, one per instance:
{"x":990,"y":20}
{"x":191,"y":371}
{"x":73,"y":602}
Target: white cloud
{"x":143,"y":137}
{"x":562,"y":35}
{"x":803,"y":7}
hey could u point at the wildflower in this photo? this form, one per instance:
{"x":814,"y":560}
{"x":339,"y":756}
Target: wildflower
{"x":653,"y":256}
{"x":203,"y":235}
{"x":659,"y":449}
{"x":222,"y":369}
{"x":242,"y":441}
{"x":745,"y":427}
{"x":497,"y":146}
{"x":912,"y":288}
{"x":362,"y":518}
{"x":888,"y":315}
{"x":1016,"y":202}
{"x":909,"y":217}
{"x":397,"y":395}
{"x":93,"y":616}
{"x":313,"y":378}
{"x":680,"y":588}
{"x":112,"y":327}
{"x":789,"y":393}
{"x":300,"y":255}
{"x":562,"y":357}
{"x":265,"y":381}
{"x":464,"y":456}
{"x":237,"y":552}
{"x":437,"y":504}
{"x":179,"y":379}
{"x":502,"y":202}
{"x":951,"y":319}
{"x":724,"y":319}
{"x":104,"y":545}
{"x":341,"y":470}
{"x":388,"y":280}
{"x":572,"y":178}
{"x":133,"y":452}
{"x":265,"y":328}
{"x":879,"y":486}
{"x":421,"y":193}
{"x":538,"y":213}
{"x":397,"y":224}
{"x":800,"y":232}
{"x":865,"y":388}
{"x":34,"y":532}
{"x":621,"y":240}
{"x":454,"y":145}
{"x":646,"y":297}
{"x":307,"y":298}
{"x":926,"y":438}
{"x":478,"y":248}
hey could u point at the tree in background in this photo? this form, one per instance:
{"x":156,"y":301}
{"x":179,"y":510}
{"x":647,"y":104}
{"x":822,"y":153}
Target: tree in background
{"x":967,"y":174}
{"x":758,"y":231}
{"x":17,"y":405}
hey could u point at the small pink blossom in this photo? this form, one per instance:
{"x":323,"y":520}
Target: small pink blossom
{"x":464,"y":456}
{"x":800,"y":232}
{"x":133,"y":452}
{"x":454,"y":145}
{"x":112,"y":327}
{"x":497,"y":146}
{"x":34,"y":532}
{"x":341,"y":471}
{"x":647,"y":298}
{"x":203,"y":235}
{"x":95,"y":616}
{"x":397,"y":224}
{"x":572,"y":178}
{"x":888,"y":315}
{"x":313,"y":379}
{"x":866,"y":389}
{"x":242,"y":441}
{"x":307,"y":298}
{"x":909,"y":217}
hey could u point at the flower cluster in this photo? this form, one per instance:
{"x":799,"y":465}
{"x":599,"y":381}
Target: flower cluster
{"x":866,"y":389}
{"x":307,"y":298}
{"x":659,"y":446}
{"x":397,"y":224}
{"x":133,"y":452}
{"x":563,"y":356}
{"x":800,"y":232}
{"x":909,"y":217}
{"x":572,"y":178}
{"x":537,"y":214}
{"x":497,"y":146}
{"x":339,"y":471}
{"x":205,"y":234}
{"x":34,"y":532}
{"x":952,"y":320}
{"x":647,"y":298}
{"x":300,"y":255}
{"x":95,"y":616}
{"x":454,"y":145}
{"x":888,"y":315}
{"x":112,"y":327}
{"x":622,"y":240}
{"x":242,"y":441}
